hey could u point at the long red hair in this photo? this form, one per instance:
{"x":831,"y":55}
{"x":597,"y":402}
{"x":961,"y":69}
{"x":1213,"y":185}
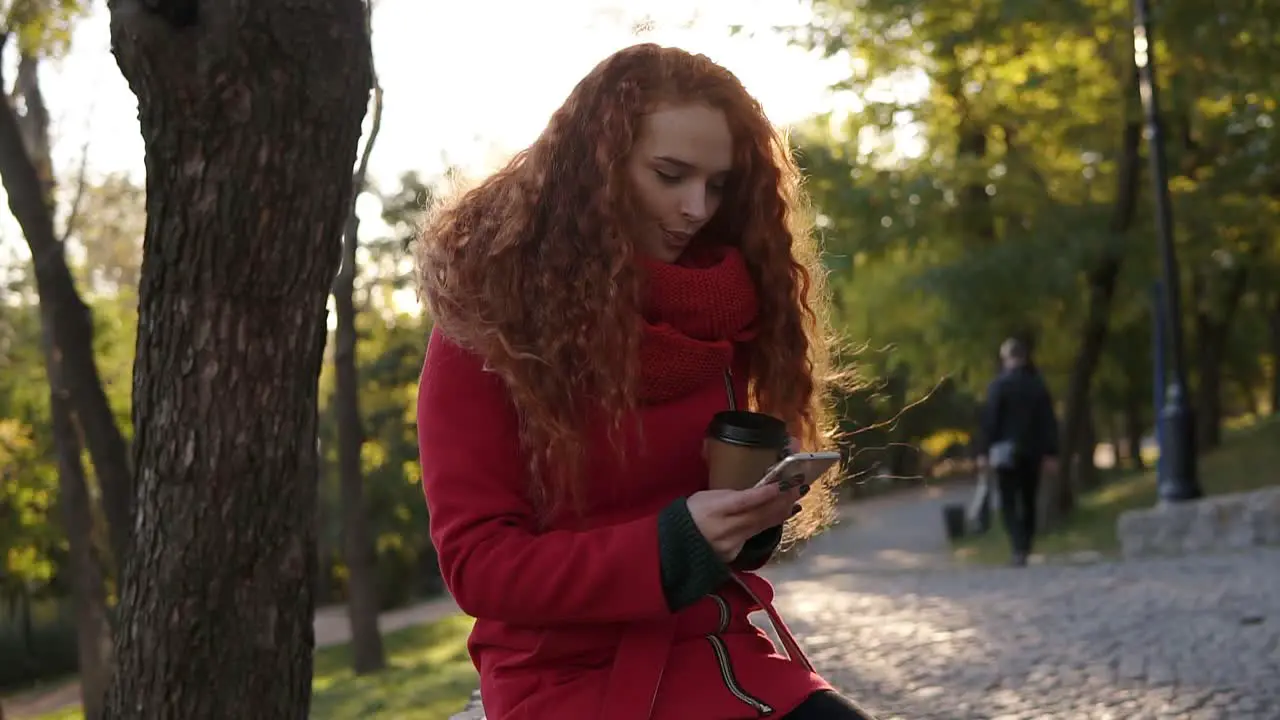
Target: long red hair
{"x":533,"y":269}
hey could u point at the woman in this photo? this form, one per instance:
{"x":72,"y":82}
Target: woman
{"x":593,"y":302}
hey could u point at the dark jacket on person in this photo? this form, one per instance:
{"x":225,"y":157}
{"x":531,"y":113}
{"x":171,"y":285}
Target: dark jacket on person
{"x":1019,"y":408}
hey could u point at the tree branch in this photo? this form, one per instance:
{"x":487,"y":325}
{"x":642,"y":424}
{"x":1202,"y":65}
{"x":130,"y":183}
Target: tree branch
{"x":363,"y":167}
{"x":73,"y":212}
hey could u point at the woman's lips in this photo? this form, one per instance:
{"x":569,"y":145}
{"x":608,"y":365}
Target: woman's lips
{"x":676,"y":240}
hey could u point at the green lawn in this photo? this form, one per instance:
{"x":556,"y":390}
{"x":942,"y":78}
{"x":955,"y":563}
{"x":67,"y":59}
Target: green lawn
{"x":430,"y":677}
{"x":1249,"y":459}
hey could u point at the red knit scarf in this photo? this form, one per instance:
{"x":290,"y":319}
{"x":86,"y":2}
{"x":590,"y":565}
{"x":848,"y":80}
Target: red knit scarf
{"x":694,"y":312}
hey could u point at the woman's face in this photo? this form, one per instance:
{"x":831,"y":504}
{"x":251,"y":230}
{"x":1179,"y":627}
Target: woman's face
{"x":678,"y":168}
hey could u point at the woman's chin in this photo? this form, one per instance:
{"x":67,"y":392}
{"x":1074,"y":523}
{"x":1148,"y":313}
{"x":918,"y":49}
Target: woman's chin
{"x":664,"y":253}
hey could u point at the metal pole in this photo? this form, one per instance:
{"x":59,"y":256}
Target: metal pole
{"x":1179,"y":483}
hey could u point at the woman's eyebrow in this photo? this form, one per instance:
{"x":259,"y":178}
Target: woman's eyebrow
{"x":684,"y":165}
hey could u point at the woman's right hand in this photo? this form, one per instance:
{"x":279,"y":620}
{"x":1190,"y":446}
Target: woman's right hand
{"x":728,"y":518}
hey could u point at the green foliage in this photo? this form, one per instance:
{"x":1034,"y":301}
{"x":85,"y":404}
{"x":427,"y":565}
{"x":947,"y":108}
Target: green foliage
{"x":43,"y":26}
{"x":27,"y":538}
{"x":29,"y":534}
{"x":974,"y":186}
{"x":389,"y":353}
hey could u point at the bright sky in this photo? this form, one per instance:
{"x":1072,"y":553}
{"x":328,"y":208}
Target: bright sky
{"x":465,"y":83}
{"x":470,"y":81}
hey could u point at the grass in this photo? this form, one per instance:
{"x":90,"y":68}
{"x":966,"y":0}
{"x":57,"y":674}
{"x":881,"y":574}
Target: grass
{"x":1249,"y":459}
{"x":71,"y":713}
{"x":429,"y":677}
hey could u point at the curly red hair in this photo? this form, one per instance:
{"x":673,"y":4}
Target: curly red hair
{"x":533,"y":269}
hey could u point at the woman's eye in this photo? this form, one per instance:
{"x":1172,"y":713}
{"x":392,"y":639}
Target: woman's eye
{"x":668,"y":178}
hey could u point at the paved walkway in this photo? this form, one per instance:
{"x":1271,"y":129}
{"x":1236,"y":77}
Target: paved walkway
{"x":892,"y":533}
{"x":911,"y":637}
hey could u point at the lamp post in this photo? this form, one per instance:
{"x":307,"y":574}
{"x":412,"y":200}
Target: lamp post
{"x":1178,"y":482}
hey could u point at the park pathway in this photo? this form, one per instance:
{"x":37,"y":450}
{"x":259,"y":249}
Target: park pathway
{"x":899,"y":532}
{"x":888,"y":619}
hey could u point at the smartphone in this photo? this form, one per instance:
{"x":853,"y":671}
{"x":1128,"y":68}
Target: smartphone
{"x":800,"y":469}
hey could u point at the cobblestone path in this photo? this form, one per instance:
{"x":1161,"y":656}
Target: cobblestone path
{"x":1189,"y":638}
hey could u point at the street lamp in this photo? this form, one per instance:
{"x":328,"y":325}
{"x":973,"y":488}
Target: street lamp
{"x":1178,"y":482}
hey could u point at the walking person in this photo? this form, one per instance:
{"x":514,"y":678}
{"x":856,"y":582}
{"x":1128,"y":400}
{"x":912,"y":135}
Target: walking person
{"x":642,"y":267}
{"x":1019,"y":443}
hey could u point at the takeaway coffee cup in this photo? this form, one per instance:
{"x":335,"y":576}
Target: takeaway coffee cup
{"x":741,"y":446}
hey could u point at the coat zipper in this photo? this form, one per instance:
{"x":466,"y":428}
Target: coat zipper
{"x":726,"y":669}
{"x":717,"y":644}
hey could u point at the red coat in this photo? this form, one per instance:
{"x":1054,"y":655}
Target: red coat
{"x":571,"y":622}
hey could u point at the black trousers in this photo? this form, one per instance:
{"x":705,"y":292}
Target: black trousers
{"x":827,"y":706}
{"x":1019,"y":494}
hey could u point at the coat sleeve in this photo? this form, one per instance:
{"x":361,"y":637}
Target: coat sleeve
{"x":493,"y":559}
{"x":758,"y":550}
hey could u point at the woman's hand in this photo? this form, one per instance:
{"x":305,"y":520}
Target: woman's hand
{"x":728,"y":518}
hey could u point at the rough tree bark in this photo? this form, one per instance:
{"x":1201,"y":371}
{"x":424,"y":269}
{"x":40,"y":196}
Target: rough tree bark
{"x":363,"y":604}
{"x":250,"y":113}
{"x":88,"y":594}
{"x":26,"y":175}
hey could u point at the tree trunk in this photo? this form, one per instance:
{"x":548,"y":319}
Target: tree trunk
{"x":93,"y":632}
{"x":1059,"y":495}
{"x":1059,"y":492}
{"x":362,"y":582}
{"x":1248,"y":397}
{"x":88,"y":594}
{"x":88,"y":597}
{"x":363,"y":604}
{"x":1086,"y":470}
{"x":1213,"y":331}
{"x":1273,"y":323}
{"x":251,"y":113}
{"x":1133,"y":426}
{"x":25,"y":169}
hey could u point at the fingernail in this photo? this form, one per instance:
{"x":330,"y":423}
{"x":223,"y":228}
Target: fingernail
{"x":795,"y":510}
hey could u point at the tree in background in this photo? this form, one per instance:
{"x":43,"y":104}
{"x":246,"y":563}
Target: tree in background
{"x":44,"y":27}
{"x":79,"y":412}
{"x":363,"y":606}
{"x":990,"y":182}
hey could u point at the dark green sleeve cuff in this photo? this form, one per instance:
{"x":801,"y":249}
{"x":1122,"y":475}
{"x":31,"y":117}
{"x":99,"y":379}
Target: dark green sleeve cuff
{"x":757,"y":551}
{"x":689,"y":565}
